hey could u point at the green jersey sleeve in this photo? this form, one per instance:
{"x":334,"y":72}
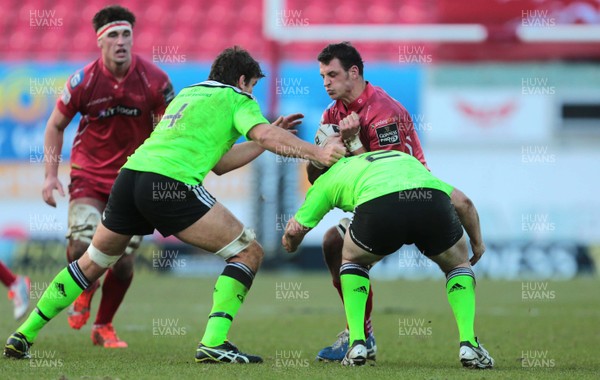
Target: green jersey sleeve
{"x":247,"y":115}
{"x":316,"y":205}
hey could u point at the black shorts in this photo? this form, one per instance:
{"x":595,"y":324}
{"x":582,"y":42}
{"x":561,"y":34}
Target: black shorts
{"x":140,"y":202}
{"x":424,"y":217}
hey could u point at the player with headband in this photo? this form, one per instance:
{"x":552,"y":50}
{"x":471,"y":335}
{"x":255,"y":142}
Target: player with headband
{"x":120,"y":97}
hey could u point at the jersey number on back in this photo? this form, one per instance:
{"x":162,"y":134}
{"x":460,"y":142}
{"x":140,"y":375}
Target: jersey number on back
{"x":176,"y":116}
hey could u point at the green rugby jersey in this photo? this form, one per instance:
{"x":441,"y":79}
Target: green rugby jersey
{"x":199,"y":126}
{"x":355,"y":180}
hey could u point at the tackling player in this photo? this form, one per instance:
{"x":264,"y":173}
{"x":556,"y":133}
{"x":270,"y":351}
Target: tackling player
{"x":368,"y":119}
{"x":396,"y":201}
{"x":118,"y":96}
{"x":196,"y":135}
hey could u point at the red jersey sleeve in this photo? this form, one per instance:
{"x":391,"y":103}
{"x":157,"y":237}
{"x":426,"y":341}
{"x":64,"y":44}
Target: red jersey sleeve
{"x":164,"y":92}
{"x":411,"y":140}
{"x":69,"y":101}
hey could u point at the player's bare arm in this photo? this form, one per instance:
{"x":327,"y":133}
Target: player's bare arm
{"x":285,"y":143}
{"x":53,"y":142}
{"x":238,"y":156}
{"x":294,"y":234}
{"x":467,"y":213}
{"x":244,"y":153}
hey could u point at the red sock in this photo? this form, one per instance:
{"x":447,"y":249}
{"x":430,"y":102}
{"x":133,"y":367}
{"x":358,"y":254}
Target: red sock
{"x":113,"y":292}
{"x":338,"y":286}
{"x":368,"y":309}
{"x":6,"y":276}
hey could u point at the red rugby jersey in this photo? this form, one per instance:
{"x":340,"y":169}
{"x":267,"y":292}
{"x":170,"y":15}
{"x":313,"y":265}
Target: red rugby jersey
{"x":116,"y":116}
{"x":384,"y":123}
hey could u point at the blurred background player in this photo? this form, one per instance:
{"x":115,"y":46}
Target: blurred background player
{"x":397,"y":201}
{"x":18,"y":290}
{"x":196,"y":135}
{"x":119,"y":96}
{"x":368,"y":119}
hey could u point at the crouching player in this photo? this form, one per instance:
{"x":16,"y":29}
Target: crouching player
{"x":396,"y":201}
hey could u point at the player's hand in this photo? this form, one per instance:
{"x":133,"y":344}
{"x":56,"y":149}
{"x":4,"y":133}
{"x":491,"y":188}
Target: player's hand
{"x":332,"y":151}
{"x":289,"y":122}
{"x":287,"y":243}
{"x":349,"y":126}
{"x":293,"y":236}
{"x":50,"y":184}
{"x":478,"y":250}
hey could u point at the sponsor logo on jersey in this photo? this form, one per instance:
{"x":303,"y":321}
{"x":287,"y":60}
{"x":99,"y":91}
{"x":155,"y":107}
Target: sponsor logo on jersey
{"x":119,"y":110}
{"x":65,"y":96}
{"x":388,"y":134}
{"x":76,"y":79}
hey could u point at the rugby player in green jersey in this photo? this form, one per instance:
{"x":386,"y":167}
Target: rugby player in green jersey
{"x":160,"y":187}
{"x":396,"y":201}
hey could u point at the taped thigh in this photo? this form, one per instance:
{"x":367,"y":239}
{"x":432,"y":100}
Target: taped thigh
{"x":238,"y":245}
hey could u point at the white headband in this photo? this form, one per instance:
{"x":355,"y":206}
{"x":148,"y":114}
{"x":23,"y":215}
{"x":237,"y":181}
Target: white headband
{"x":113,"y":27}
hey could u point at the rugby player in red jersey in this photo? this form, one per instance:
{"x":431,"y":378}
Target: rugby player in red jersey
{"x":119,"y":96}
{"x":368,"y":119}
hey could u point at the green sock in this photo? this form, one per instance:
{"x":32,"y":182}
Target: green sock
{"x":228,"y":296}
{"x":61,"y":292}
{"x":460,"y":289}
{"x":355,"y":289}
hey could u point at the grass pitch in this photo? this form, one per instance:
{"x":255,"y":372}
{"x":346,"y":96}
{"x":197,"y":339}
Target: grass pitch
{"x":287,"y":319}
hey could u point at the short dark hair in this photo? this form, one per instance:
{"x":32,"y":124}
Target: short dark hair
{"x":112,"y":13}
{"x":345,"y":52}
{"x":231,"y":64}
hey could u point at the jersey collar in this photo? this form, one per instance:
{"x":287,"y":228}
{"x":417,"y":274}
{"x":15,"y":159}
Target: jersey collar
{"x":110,"y":75}
{"x":360,"y":102}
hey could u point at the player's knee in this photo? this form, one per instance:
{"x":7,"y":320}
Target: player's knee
{"x":251,"y":256}
{"x":332,"y":243}
{"x":83,"y":220}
